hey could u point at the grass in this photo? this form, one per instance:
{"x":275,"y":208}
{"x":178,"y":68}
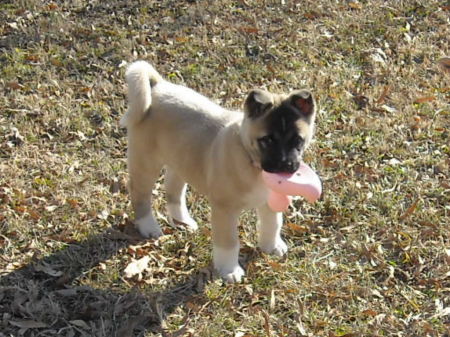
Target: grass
{"x":370,"y":259}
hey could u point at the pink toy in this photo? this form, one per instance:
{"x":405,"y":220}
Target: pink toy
{"x":304,"y":182}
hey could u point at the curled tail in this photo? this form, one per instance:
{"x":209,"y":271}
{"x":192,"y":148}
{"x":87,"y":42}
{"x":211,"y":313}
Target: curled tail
{"x":140,"y":77}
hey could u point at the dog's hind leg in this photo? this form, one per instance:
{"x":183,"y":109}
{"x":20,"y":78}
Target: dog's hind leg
{"x":143,"y":175}
{"x":176,"y":199}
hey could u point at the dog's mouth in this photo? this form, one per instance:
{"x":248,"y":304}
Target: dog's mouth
{"x":281,"y":167}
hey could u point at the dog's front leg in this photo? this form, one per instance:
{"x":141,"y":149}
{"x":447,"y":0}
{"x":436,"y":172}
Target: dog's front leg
{"x":226,"y":243}
{"x":269,"y":228}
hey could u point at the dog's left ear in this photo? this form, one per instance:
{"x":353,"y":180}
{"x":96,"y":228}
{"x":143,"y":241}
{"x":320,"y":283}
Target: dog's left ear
{"x":257,"y":103}
{"x":304,"y":102}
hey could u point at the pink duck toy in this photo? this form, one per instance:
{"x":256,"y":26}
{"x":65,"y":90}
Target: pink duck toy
{"x":304,"y":182}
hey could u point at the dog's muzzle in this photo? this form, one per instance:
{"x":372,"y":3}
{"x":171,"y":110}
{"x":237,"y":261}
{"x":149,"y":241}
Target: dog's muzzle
{"x":288,"y":166}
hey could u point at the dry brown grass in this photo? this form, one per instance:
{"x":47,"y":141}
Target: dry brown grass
{"x":370,"y":259}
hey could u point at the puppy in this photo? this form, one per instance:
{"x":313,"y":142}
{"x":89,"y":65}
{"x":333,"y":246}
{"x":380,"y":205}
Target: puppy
{"x":217,"y":151}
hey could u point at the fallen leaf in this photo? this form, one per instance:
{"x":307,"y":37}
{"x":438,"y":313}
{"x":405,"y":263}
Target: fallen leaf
{"x":388,"y":108}
{"x":103,"y":215}
{"x":14,"y":85}
{"x":297,"y":228}
{"x":52,"y":6}
{"x":20,"y":209}
{"x":445,"y":63}
{"x":275,"y":265}
{"x":249,"y":30}
{"x":47,"y":269}
{"x":394,"y":162}
{"x":272,"y":300}
{"x":56,"y":62}
{"x":267,"y":325}
{"x":442,"y":312}
{"x":14,"y":137}
{"x":424,"y":99}
{"x":311,"y":15}
{"x":369,"y":312}
{"x":355,"y":5}
{"x":136,"y":267}
{"x":32,"y":58}
{"x":13,"y":25}
{"x":181,"y":39}
{"x":66,"y":292}
{"x":383,"y":95}
{"x":28,"y":324}
{"x":80,"y":323}
{"x":51,"y":208}
{"x":377,"y":58}
{"x":361,"y":101}
{"x":34,"y":214}
{"x":409,"y":211}
{"x":447,"y":256}
{"x":134,"y":236}
{"x":73,"y":203}
{"x":271,"y":69}
{"x":376,"y":293}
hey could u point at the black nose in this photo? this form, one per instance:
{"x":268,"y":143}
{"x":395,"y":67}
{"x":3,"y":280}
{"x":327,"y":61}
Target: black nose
{"x":289,"y":166}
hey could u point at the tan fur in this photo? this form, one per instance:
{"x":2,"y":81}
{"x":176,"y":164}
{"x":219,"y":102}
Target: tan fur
{"x":211,"y":148}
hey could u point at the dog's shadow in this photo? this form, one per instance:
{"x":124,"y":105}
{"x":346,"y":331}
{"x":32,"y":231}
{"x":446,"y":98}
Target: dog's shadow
{"x":45,"y":298}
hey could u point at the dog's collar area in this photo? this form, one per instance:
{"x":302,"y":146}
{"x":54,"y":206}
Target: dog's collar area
{"x":253,"y":162}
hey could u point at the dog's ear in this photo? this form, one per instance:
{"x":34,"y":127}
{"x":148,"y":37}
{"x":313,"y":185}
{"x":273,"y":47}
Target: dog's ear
{"x":304,"y":102}
{"x":257,"y":103}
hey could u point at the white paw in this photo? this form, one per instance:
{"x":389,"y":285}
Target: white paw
{"x":231,"y":276}
{"x":226,"y":263}
{"x":148,"y":227}
{"x":190,"y":223}
{"x":181,"y":215}
{"x":278,"y":248}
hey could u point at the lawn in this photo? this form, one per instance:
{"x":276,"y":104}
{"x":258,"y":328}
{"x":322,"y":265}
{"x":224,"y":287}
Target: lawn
{"x":371,"y":258}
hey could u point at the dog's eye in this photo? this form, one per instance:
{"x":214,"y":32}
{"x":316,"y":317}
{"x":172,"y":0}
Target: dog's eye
{"x":297,"y":142}
{"x":265,"y":141}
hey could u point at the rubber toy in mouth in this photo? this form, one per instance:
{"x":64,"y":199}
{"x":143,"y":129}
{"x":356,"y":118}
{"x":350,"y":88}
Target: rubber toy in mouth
{"x":303,"y":182}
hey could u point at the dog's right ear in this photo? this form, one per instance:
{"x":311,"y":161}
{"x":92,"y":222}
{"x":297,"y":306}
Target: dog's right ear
{"x":257,"y":103}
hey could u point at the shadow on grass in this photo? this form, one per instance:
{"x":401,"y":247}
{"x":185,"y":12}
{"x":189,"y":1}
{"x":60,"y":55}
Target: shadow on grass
{"x":44,"y":299}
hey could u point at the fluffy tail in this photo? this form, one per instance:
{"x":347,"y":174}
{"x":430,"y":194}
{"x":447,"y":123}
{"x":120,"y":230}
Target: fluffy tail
{"x":140,"y":77}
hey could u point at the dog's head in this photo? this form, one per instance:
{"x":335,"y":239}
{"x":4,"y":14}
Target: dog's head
{"x":277,"y":128}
